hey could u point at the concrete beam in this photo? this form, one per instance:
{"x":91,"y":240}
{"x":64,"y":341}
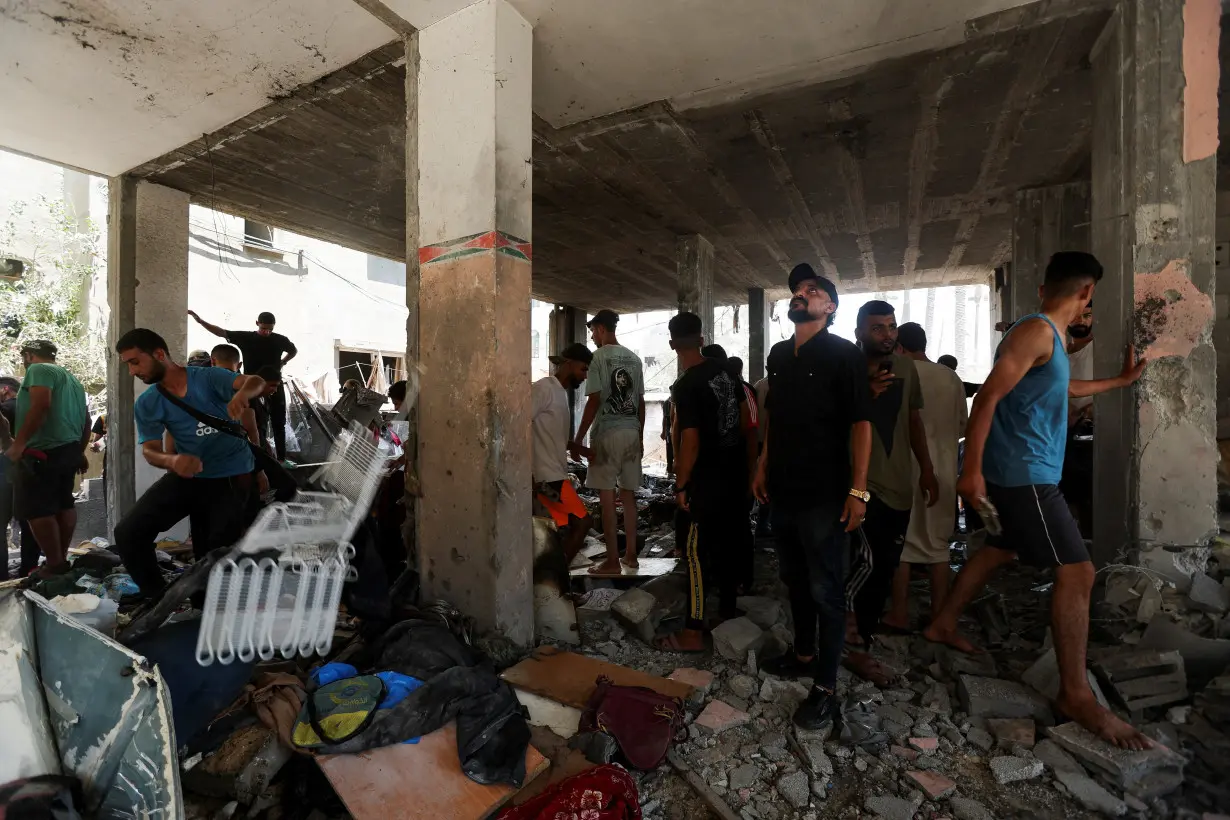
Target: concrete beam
{"x":147,"y":286}
{"x":695,"y":257}
{"x":758,"y":333}
{"x":1044,"y":221}
{"x":1154,"y":144}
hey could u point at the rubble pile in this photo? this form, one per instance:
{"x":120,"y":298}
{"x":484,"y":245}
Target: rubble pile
{"x":964,"y":736}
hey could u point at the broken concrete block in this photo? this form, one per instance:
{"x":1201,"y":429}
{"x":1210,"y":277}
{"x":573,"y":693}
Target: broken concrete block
{"x":719,"y":716}
{"x":743,"y":686}
{"x":891,"y":808}
{"x":1150,"y":604}
{"x":1043,"y":677}
{"x":733,"y":639}
{"x":1090,"y":795}
{"x":1175,"y":564}
{"x":635,"y":610}
{"x":964,"y":808}
{"x":955,"y":664}
{"x":1149,"y":773}
{"x":795,"y":789}
{"x":781,"y":691}
{"x":760,"y":610}
{"x":744,"y":777}
{"x":908,"y":755}
{"x":933,"y":784}
{"x":1121,"y":591}
{"x":699,"y":679}
{"x":996,"y":698}
{"x":926,"y":745}
{"x":1140,"y":678}
{"x":1203,"y":658}
{"x":1009,"y":731}
{"x":980,"y":739}
{"x":1053,"y":755}
{"x":1214,"y":700}
{"x":937,"y":700}
{"x":1011,"y":769}
{"x":1207,"y":595}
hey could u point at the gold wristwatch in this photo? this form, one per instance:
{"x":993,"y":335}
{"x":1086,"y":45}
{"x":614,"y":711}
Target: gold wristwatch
{"x":861,"y":495}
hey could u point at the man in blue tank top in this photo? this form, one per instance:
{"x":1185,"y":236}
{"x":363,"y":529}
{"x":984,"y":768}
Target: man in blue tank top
{"x":1014,"y":449}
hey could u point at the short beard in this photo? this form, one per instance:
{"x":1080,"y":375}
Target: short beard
{"x":1080,"y":331}
{"x":160,"y":372}
{"x":800,"y":316}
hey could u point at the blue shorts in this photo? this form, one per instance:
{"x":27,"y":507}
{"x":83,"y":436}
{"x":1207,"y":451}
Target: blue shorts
{"x":1037,"y":525}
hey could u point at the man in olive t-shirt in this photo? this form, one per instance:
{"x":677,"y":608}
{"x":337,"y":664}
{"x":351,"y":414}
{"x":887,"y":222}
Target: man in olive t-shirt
{"x":53,"y":430}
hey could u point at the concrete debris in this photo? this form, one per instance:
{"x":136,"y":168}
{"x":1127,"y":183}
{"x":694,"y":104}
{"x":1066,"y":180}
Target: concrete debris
{"x":1178,"y":714}
{"x":891,"y":808}
{"x":795,"y":789}
{"x":1206,"y":595}
{"x":1011,"y":731}
{"x":733,"y":639}
{"x":1176,"y":564}
{"x":743,"y":777}
{"x":1149,"y":773}
{"x":980,"y":738}
{"x":1203,"y":658}
{"x":1011,"y":769}
{"x":996,"y":698}
{"x":719,"y":716}
{"x":1214,"y":700}
{"x":935,"y":786}
{"x":1150,"y":604}
{"x":762,"y":611}
{"x":937,"y":700}
{"x":926,"y":745}
{"x":743,"y":686}
{"x":699,"y":679}
{"x":635,"y":609}
{"x":1142,"y":678}
{"x":1053,"y":755}
{"x":963,"y":808}
{"x":954,"y":663}
{"x":1090,"y":795}
{"x":1043,"y":677}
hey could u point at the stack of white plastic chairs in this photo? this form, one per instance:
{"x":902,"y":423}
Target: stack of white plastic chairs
{"x":278,"y":590}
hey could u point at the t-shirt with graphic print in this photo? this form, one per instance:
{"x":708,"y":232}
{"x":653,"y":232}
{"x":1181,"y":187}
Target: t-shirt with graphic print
{"x":708,"y":399}
{"x":890,"y":472}
{"x":617,"y":374}
{"x":210,"y":389}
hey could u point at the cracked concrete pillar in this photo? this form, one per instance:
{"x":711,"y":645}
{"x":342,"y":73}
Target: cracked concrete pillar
{"x":1154,"y":150}
{"x":567,"y":327}
{"x":758,"y":333}
{"x":147,"y":286}
{"x":473,"y":125}
{"x":694,"y":255}
{"x":1044,"y":220}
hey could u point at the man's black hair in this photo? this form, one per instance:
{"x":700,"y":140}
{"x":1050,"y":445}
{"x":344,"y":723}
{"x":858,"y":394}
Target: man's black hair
{"x":143,"y":339}
{"x":1069,"y":271}
{"x":948,"y":360}
{"x":266,"y":318}
{"x":686,"y":328}
{"x":225,"y":353}
{"x":876,"y":307}
{"x":270,"y":373}
{"x":912,"y":338}
{"x":714,"y":352}
{"x":10,"y":382}
{"x":734,"y":366}
{"x":397,"y":392}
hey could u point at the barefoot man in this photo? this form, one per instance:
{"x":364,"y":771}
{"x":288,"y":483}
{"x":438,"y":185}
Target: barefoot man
{"x":1014,"y":450}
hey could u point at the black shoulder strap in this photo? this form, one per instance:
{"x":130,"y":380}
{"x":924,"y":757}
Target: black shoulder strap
{"x":219,"y":424}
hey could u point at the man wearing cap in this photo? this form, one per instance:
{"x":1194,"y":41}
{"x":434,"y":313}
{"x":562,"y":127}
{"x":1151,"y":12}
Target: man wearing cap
{"x":53,"y":430}
{"x":552,"y":426}
{"x":616,"y":409}
{"x":817,"y":414}
{"x":262,"y":348}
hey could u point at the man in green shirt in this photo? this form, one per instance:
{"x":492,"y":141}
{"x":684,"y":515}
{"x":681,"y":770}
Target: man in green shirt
{"x":53,"y":430}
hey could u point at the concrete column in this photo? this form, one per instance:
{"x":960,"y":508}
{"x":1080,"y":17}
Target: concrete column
{"x":694,"y":254}
{"x":758,"y":333}
{"x":474,"y":127}
{"x":567,"y":327}
{"x":1044,"y":220}
{"x":147,"y":286}
{"x":1154,"y":144}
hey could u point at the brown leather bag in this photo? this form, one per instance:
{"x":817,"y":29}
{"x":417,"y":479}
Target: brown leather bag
{"x":642,"y":721}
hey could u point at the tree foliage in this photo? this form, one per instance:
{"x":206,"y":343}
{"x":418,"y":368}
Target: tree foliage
{"x":47,"y":301}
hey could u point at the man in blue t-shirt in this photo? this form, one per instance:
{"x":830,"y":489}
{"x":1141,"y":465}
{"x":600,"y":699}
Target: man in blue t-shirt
{"x":209,"y":477}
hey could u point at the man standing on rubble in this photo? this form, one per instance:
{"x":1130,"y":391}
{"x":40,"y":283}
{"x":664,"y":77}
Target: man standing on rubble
{"x":262,"y":348}
{"x":717,"y":443}
{"x":1014,"y":451}
{"x":48,"y":449}
{"x":551,"y":418}
{"x":209,"y":479}
{"x":616,"y":409}
{"x":817,"y":415}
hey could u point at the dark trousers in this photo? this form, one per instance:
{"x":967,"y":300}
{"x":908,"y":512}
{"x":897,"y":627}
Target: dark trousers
{"x":813,"y":551}
{"x":714,"y":540}
{"x":218,"y":510}
{"x":877,"y":552}
{"x":271,"y":411}
{"x":29,"y":547}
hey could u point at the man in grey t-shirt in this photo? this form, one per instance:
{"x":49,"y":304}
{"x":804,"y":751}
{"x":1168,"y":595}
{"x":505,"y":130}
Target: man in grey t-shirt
{"x":616,"y":410}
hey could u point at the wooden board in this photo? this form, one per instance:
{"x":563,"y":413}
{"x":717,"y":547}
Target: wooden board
{"x":420,"y":781}
{"x":570,"y":679}
{"x":646,"y":568}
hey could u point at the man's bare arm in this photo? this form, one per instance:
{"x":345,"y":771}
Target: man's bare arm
{"x":40,"y":406}
{"x":587,"y":417}
{"x":860,"y":454}
{"x":1132,"y":369}
{"x":214,"y":329}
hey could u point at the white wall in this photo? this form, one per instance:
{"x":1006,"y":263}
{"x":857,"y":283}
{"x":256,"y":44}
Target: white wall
{"x":322,"y":294}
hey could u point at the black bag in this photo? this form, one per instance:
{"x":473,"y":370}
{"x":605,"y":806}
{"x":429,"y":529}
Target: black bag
{"x":282,"y":482}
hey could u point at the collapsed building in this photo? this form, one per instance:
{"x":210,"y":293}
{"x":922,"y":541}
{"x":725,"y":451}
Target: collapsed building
{"x":660,"y":156}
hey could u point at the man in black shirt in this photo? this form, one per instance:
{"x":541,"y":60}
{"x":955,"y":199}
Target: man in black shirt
{"x":262,"y":348}
{"x":716,"y":445}
{"x":817,"y":415}
{"x":29,"y":547}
